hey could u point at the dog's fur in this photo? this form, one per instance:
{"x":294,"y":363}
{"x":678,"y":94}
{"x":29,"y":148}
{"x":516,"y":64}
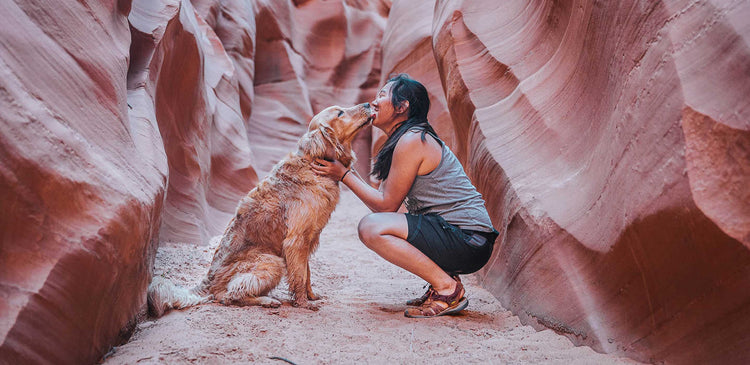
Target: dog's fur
{"x":276,"y":226}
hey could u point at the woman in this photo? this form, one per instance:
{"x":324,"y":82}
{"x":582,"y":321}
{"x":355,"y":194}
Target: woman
{"x":447,"y":231}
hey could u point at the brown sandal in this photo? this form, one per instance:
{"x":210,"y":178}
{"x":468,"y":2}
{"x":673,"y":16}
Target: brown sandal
{"x":416,"y":302}
{"x":439,"y":305}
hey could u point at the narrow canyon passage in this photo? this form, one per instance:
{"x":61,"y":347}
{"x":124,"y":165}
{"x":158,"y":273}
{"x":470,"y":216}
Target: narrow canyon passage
{"x":360,"y":318}
{"x":610,"y":141}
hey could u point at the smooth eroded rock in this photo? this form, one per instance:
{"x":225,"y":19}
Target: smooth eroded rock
{"x":614,"y":158}
{"x":82,"y":183}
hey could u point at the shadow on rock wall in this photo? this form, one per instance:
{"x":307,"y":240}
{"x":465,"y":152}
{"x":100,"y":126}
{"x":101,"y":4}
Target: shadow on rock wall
{"x":134,"y":122}
{"x":610,"y":141}
{"x":613,"y":165}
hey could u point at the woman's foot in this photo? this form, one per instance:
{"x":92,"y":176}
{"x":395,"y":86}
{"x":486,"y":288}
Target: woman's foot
{"x":416,"y":302}
{"x":438,"y":305}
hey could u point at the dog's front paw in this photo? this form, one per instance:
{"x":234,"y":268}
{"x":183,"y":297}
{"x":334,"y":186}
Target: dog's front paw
{"x":312,"y":307}
{"x":305,"y":304}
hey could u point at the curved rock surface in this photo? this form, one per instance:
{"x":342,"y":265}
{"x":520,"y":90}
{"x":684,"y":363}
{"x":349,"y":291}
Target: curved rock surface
{"x":81,"y":183}
{"x":133,"y":122}
{"x":611,"y":142}
{"x":190,"y":83}
{"x":612,"y":145}
{"x":408,"y":49}
{"x":308,"y":56}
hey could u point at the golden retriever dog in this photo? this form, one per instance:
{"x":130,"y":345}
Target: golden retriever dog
{"x":276,"y":226}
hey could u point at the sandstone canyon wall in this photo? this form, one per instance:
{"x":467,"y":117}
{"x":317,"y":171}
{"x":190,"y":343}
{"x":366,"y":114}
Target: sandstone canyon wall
{"x":82,"y":183}
{"x":611,"y":141}
{"x":127,"y":123}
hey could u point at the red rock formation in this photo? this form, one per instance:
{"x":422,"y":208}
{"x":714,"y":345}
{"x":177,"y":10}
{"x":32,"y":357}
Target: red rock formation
{"x":308,"y":56}
{"x":81,"y":187}
{"x":197,"y":108}
{"x":409,"y":50}
{"x":116,"y":137}
{"x":611,"y":143}
{"x":250,"y":74}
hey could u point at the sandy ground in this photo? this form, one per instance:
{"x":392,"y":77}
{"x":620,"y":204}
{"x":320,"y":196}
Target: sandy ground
{"x":360,"y":318}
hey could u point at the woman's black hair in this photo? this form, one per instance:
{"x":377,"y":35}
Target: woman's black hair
{"x":404,"y":89}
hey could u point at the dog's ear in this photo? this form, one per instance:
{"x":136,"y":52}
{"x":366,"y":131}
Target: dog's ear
{"x":321,"y":141}
{"x":344,"y":153}
{"x":330,"y":136}
{"x":313,"y":144}
{"x":348,"y":157}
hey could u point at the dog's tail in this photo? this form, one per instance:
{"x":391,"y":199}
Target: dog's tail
{"x":163,"y":295}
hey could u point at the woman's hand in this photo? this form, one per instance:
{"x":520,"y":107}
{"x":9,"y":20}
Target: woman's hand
{"x":332,"y":169}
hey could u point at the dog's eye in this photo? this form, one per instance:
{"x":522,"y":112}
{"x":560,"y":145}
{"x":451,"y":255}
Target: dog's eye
{"x":341,"y":112}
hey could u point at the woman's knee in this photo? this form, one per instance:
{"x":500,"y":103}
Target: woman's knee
{"x":375,"y":227}
{"x":368,"y":229}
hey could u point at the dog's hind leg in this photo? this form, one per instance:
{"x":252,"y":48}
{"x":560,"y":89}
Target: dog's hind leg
{"x":252,"y":281}
{"x":241,"y":289}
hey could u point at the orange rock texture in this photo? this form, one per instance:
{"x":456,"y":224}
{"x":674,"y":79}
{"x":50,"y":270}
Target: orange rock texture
{"x":127,"y":123}
{"x":82,"y":183}
{"x":611,"y":141}
{"x":612,"y":144}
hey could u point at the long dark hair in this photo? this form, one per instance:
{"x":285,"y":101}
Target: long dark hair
{"x":404,"y":89}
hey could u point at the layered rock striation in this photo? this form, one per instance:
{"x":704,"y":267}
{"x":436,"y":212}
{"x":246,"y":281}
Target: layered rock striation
{"x":133,"y":122}
{"x":612,"y":145}
{"x":81,"y":183}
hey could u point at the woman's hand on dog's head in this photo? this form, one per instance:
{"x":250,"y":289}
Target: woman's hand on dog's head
{"x":332,"y":169}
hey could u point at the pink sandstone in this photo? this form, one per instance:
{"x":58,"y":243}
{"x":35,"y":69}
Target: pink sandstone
{"x":82,"y":184}
{"x":611,"y":142}
{"x":131,"y":123}
{"x":613,"y":147}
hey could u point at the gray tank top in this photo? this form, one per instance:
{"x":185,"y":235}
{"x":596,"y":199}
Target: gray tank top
{"x":448,"y":192}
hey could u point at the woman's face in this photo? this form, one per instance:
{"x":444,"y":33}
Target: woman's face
{"x":385,"y":115}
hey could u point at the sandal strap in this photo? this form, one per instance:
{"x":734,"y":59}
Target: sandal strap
{"x":419,"y":301}
{"x":434,"y":309}
{"x":431,"y":308}
{"x":438,"y":304}
{"x":451,"y":299}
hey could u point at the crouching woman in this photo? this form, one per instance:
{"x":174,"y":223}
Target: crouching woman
{"x":447,"y":230}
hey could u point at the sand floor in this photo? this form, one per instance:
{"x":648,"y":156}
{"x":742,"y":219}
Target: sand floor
{"x":360,"y":318}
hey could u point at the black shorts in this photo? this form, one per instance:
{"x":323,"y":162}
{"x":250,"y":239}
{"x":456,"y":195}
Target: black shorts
{"x":456,"y":251}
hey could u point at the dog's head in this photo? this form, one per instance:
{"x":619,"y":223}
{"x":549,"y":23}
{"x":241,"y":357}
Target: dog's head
{"x":331,"y":132}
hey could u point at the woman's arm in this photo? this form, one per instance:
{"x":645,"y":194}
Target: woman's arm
{"x":407,"y":158}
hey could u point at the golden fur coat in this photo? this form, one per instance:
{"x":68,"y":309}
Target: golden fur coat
{"x":276,"y":226}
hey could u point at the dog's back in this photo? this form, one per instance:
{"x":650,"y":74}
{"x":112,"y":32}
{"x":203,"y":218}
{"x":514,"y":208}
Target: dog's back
{"x":286,"y":211}
{"x":292,"y":200}
{"x":277,"y":225}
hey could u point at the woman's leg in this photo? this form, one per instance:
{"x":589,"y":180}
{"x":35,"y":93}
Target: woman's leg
{"x":385,"y":233}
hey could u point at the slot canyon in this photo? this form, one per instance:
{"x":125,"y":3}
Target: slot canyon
{"x":609,"y":139}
